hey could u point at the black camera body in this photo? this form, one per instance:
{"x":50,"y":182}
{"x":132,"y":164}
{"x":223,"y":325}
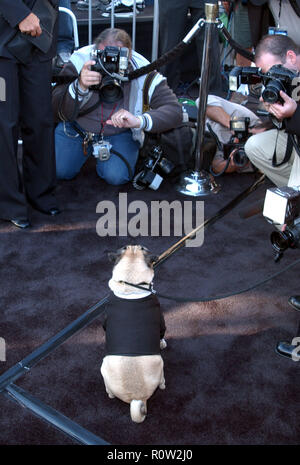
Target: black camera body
{"x":276,"y":79}
{"x":155,"y":167}
{"x":112,"y":64}
{"x":239,"y":127}
{"x":282,"y":207}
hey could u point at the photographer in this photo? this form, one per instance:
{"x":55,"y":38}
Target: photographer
{"x":90,"y":120}
{"x":269,"y":151}
{"x":219,"y":114}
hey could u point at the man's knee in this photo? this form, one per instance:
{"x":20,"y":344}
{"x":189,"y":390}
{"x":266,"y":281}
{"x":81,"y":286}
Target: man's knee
{"x":114,"y":178}
{"x":251,"y":147}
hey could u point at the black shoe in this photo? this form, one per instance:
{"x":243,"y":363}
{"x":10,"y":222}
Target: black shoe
{"x":52,"y":211}
{"x":288,"y":350}
{"x":20,"y":223}
{"x":294,"y":301}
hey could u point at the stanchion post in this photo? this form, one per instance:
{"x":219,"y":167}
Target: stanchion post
{"x":155,"y":31}
{"x":198,"y":182}
{"x":90,"y":23}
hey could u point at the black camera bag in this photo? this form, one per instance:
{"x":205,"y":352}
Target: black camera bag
{"x":177,"y":144}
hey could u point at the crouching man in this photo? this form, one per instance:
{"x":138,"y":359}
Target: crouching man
{"x":272,"y":152}
{"x":108,"y":121}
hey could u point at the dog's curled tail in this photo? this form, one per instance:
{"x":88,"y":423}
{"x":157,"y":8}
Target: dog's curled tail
{"x":138,"y":411}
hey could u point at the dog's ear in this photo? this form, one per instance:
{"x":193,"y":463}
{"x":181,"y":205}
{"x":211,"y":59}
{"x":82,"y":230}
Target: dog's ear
{"x":113,"y":256}
{"x":150,"y":259}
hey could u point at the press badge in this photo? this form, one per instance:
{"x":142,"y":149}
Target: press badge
{"x":101,"y":150}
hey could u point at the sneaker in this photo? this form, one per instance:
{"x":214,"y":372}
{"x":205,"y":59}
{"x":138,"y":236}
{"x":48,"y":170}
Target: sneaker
{"x":124,"y":7}
{"x":84,"y":4}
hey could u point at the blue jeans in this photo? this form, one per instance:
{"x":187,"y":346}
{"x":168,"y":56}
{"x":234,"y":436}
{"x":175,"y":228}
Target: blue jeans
{"x":70,"y":157}
{"x":65,"y":41}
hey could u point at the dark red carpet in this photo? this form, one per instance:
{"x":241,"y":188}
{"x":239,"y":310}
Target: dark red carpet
{"x":224,"y":382}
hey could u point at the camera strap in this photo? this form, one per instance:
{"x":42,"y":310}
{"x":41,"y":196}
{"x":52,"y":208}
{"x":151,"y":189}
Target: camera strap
{"x":295,"y":144}
{"x":288,"y":152}
{"x":147,"y":83}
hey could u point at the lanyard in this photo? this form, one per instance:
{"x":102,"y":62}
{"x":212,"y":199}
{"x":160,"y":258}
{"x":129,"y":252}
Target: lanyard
{"x":103,"y":123}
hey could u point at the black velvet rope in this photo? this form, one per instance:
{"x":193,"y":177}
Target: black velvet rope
{"x":166,"y":58}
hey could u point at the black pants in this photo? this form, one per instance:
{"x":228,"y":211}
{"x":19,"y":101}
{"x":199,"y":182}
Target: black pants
{"x":172,"y":29}
{"x":26,"y":110}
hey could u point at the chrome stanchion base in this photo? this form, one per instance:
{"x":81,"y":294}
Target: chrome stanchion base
{"x":197,"y":183}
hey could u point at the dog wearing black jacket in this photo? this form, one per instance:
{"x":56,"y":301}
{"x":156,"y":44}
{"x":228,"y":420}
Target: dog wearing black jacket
{"x":133,"y":367}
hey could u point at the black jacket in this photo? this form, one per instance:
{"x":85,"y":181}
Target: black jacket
{"x":12,"y":12}
{"x":292,"y":125}
{"x":133,"y":326}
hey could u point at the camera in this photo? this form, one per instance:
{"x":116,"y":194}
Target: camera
{"x":282,"y":208}
{"x":239,"y":127}
{"x":276,"y":79}
{"x":112,"y":64}
{"x":101,"y":150}
{"x":155,"y":167}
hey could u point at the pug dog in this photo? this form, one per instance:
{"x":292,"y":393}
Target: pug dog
{"x":134,"y":328}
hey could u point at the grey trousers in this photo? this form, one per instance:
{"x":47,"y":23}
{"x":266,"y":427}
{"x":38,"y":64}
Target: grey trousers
{"x":260,"y":149}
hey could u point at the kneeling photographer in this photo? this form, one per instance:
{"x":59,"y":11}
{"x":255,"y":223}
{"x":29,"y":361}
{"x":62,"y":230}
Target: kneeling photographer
{"x":273,"y":151}
{"x":101,"y":113}
{"x":230,"y":124}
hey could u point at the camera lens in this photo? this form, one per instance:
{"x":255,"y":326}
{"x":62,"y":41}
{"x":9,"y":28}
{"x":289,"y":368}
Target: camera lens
{"x":280,"y":241}
{"x":271,"y":91}
{"x":110,"y":90}
{"x":240,"y":158}
{"x":166,"y":165}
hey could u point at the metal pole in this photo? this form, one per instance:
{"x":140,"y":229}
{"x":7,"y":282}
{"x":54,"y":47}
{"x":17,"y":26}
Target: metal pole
{"x":203,"y":88}
{"x":112,"y":14}
{"x":41,"y":352}
{"x":52,"y":416}
{"x":222,"y":212}
{"x":90,"y":23}
{"x":134,"y":24}
{"x":75,"y":27}
{"x":155,"y":31}
{"x":197,"y":182}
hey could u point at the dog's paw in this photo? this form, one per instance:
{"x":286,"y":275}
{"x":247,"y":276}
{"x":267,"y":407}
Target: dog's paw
{"x":163,"y":344}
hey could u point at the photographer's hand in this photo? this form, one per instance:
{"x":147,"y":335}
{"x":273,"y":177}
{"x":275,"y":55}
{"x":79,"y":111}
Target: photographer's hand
{"x":87,"y":77}
{"x":283,"y":111}
{"x":124,"y":119}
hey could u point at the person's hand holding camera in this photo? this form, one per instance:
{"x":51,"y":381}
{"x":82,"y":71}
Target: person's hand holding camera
{"x":282,"y":110}
{"x":31,"y":25}
{"x":87,"y":77}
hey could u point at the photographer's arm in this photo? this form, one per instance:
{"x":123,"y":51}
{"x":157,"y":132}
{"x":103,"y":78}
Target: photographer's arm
{"x":63,"y":95}
{"x":218,"y":115}
{"x":165,"y":112}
